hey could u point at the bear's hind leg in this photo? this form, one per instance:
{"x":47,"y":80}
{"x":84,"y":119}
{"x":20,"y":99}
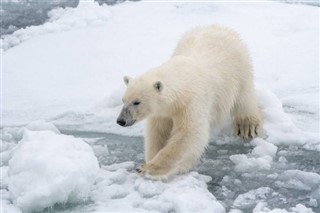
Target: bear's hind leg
{"x":247,"y":117}
{"x":156,"y":136}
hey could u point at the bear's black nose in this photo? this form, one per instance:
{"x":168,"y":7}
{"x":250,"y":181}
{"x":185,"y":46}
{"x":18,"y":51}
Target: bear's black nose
{"x":121,"y":122}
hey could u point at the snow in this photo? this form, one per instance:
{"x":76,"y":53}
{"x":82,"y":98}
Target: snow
{"x":261,"y":208}
{"x":6,"y":205}
{"x":263,"y":148}
{"x":39,"y":125}
{"x":301,"y":180}
{"x":123,"y":191}
{"x":280,"y":127}
{"x":65,"y":77}
{"x":17,"y":14}
{"x":49,"y":168}
{"x":260,"y":158}
{"x":245,"y":164}
{"x":310,"y":2}
{"x":252,"y":197}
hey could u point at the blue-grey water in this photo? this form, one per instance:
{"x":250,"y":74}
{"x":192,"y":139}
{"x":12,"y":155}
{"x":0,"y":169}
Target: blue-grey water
{"x":226,"y":184}
{"x":17,"y":14}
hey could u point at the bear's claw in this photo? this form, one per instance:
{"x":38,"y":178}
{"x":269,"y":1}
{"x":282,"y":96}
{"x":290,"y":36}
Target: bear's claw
{"x":152,"y":172}
{"x":138,"y":170}
{"x":248,"y":132}
{"x":248,"y":128}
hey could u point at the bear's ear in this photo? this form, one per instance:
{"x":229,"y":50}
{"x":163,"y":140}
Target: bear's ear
{"x":126,"y":79}
{"x":158,"y":86}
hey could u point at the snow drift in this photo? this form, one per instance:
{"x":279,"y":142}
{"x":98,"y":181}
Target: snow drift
{"x":49,"y":168}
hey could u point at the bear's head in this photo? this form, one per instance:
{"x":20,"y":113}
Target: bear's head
{"x":140,"y":100}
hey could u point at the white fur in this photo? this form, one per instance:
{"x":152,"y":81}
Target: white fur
{"x":208,"y":78}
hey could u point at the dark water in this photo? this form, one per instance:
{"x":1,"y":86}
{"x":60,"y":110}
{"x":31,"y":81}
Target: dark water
{"x":20,"y":14}
{"x":226,"y":184}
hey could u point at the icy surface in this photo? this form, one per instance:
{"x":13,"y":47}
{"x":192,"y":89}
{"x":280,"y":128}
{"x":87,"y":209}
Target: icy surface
{"x":120,"y":190}
{"x":262,"y":208}
{"x":34,"y":186}
{"x":228,"y":185}
{"x":41,"y":125}
{"x":259,"y":159}
{"x":263,"y":148}
{"x":112,"y":2}
{"x":49,"y":168}
{"x":282,"y":184}
{"x":16,"y":14}
{"x":309,"y":2}
{"x":69,"y":72}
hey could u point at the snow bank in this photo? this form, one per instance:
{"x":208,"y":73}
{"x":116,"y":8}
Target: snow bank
{"x":49,"y":168}
{"x":59,"y":20}
{"x":121,"y":190}
{"x":279,"y":126}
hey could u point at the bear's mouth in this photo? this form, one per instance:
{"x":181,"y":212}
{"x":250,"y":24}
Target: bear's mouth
{"x":129,"y":123}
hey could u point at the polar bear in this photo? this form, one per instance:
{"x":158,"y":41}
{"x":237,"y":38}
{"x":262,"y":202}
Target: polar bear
{"x":208,"y":78}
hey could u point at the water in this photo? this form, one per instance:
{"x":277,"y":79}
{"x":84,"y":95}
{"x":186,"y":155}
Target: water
{"x":20,"y":14}
{"x":17,"y":14}
{"x":231,"y":188}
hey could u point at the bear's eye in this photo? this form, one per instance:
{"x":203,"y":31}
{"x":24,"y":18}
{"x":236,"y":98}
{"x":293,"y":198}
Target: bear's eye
{"x":136,"y":103}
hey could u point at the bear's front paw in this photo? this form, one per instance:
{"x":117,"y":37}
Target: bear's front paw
{"x":154,"y":171}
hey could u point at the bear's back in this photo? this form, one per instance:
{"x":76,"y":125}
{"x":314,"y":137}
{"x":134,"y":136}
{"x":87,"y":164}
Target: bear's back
{"x":210,"y":42}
